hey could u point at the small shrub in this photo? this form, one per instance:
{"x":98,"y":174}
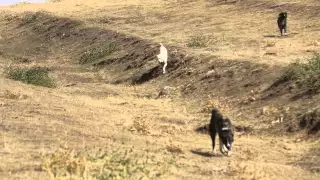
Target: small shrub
{"x":28,"y":18}
{"x":98,"y":52}
{"x":198,"y":41}
{"x":37,"y":76}
{"x":305,"y":75}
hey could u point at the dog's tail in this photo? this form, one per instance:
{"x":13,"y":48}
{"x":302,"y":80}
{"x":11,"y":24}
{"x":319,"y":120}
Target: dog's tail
{"x":204,"y":129}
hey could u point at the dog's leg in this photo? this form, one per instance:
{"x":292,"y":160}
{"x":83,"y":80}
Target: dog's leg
{"x":223,"y":148}
{"x":213,"y":133}
{"x":164,"y":67}
{"x":285,"y":30}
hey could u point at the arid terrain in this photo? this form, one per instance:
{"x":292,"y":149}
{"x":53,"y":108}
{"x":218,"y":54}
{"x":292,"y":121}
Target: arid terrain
{"x":108,"y":112}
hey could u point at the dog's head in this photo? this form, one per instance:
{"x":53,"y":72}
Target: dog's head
{"x":227,"y":133}
{"x":215,"y":113}
{"x":283,"y":15}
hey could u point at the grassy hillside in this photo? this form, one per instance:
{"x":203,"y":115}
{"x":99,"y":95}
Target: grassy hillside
{"x":111,"y":113}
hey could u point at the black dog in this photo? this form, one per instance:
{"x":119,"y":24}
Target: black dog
{"x":222,"y":126}
{"x":282,"y":22}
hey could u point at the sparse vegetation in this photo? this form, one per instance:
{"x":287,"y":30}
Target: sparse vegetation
{"x":231,"y":56}
{"x":36,"y":75}
{"x":13,"y":95}
{"x":305,"y":74}
{"x":198,"y":41}
{"x":28,"y":18}
{"x":97,"y":52}
{"x":102,"y":165}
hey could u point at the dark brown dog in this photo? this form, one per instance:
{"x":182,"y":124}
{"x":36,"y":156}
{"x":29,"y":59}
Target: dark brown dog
{"x":282,"y":22}
{"x":222,"y":126}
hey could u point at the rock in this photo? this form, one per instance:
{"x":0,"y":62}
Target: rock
{"x":286,"y":147}
{"x":210,"y":73}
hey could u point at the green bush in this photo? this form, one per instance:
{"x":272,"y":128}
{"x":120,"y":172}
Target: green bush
{"x":97,"y":52}
{"x":305,"y":74}
{"x":36,"y":75}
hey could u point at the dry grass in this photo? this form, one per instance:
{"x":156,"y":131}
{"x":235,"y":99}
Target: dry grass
{"x":84,"y":123}
{"x":304,"y":74}
{"x":199,"y":41}
{"x":97,"y":52}
{"x":241,"y":33}
{"x":103,"y":164}
{"x":80,"y":117}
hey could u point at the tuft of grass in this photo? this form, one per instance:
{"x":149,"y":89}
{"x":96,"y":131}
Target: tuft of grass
{"x":198,"y":41}
{"x":305,"y":74}
{"x":36,"y":75}
{"x":97,"y":52}
{"x":102,"y":165}
{"x":28,"y":18}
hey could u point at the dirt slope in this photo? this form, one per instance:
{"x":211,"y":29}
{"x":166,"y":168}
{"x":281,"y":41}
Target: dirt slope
{"x":236,"y":30}
{"x":99,"y":104}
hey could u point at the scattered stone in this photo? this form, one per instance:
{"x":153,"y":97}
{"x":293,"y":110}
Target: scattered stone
{"x":286,"y":147}
{"x":297,"y":140}
{"x":210,"y":73}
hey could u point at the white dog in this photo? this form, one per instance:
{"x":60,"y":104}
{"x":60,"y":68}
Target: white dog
{"x":163,"y":57}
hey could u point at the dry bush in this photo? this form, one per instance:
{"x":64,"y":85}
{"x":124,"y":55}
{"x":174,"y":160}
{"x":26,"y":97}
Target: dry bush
{"x":141,"y":126}
{"x":305,"y":75}
{"x":198,"y":41}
